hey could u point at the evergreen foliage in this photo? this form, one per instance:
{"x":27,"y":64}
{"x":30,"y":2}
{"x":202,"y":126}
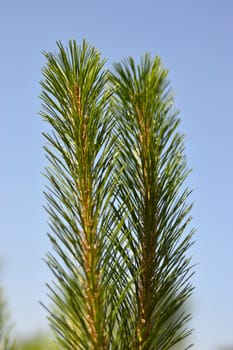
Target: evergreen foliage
{"x":5,"y":342}
{"x":116,"y":202}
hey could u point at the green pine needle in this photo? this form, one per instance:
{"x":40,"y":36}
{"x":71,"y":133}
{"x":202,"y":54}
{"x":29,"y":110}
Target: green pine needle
{"x":117,"y":203}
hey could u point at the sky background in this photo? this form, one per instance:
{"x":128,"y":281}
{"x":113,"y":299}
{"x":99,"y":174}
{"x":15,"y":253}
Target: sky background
{"x":194,"y":40}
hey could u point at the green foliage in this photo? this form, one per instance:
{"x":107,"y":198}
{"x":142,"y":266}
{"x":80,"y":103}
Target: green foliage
{"x":5,"y":342}
{"x":151,"y":192}
{"x":116,"y":202}
{"x":37,"y":342}
{"x":78,"y":199}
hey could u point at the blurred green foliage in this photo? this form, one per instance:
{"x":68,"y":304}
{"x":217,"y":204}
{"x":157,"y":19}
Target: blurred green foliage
{"x":5,"y":342}
{"x":38,"y":342}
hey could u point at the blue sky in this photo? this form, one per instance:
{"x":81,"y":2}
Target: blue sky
{"x":194,"y":40}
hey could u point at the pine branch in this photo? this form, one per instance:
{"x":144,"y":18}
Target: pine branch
{"x":80,"y":153}
{"x":117,"y":203}
{"x":154,"y":169}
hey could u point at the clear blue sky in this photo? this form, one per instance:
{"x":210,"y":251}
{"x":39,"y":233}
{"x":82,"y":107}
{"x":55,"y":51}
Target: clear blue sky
{"x":194,"y":40}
